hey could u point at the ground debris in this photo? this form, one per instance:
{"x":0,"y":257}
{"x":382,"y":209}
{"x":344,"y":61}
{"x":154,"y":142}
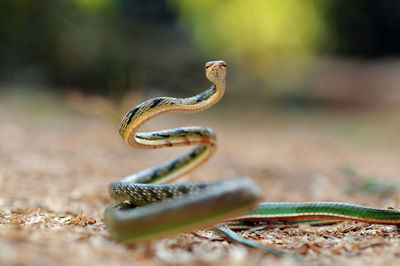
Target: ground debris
{"x":54,"y":189}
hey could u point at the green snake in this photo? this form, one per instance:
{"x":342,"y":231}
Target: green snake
{"x":146,"y":209}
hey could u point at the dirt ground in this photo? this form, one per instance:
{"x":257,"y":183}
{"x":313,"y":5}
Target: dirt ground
{"x":56,"y":163}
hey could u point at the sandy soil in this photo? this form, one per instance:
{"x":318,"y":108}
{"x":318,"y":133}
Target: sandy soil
{"x":55,"y":164}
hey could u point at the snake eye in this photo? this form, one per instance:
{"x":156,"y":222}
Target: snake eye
{"x":208,"y":66}
{"x":224,"y":65}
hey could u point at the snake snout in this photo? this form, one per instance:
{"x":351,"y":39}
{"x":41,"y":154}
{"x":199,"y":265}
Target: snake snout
{"x":216,"y":71}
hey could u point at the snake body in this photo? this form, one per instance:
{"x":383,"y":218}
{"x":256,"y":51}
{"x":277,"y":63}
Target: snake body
{"x":146,"y":209}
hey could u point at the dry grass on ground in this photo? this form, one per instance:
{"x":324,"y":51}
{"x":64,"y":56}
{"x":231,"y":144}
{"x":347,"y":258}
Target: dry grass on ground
{"x":55,"y":165}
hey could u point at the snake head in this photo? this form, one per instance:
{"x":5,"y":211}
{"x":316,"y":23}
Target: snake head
{"x":216,"y":71}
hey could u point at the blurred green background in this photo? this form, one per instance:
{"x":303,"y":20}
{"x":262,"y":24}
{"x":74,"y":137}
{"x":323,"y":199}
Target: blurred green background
{"x":284,"y":52}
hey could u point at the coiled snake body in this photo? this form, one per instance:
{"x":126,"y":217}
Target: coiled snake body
{"x":146,"y":210}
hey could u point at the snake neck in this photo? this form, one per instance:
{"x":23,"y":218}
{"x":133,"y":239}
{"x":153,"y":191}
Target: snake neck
{"x":205,"y":99}
{"x":220,"y":90}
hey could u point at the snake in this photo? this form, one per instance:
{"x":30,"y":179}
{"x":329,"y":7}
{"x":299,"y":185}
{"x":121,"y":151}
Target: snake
{"x":148,"y":206}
